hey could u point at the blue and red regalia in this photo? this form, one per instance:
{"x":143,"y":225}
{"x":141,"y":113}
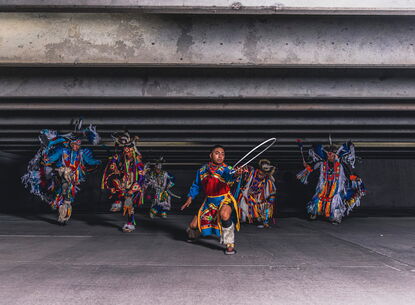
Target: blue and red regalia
{"x":60,"y":166}
{"x":215,"y":181}
{"x":71,"y":166}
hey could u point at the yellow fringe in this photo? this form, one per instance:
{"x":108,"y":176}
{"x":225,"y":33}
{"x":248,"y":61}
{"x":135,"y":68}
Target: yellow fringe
{"x":228,"y":198}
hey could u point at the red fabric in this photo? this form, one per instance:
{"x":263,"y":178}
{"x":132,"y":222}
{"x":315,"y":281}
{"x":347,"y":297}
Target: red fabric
{"x":207,"y":216}
{"x":42,"y":177}
{"x":214,"y":187}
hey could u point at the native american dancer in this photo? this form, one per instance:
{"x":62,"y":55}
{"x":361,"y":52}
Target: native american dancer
{"x":59,"y":167}
{"x":124,"y":177}
{"x":339,"y":189}
{"x":160,"y":182}
{"x":258,"y":194}
{"x":215,"y":214}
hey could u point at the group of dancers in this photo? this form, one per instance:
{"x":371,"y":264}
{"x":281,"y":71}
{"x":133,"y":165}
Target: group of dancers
{"x":232,"y":194}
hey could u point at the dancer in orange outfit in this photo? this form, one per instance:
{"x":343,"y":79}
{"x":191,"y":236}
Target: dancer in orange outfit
{"x":258,"y":194}
{"x":338,"y":190}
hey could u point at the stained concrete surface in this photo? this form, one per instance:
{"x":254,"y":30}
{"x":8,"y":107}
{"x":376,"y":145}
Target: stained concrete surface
{"x":224,"y":6}
{"x":116,"y":39}
{"x":90,"y":261}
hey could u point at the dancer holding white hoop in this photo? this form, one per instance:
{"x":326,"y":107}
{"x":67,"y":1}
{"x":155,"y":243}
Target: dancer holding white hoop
{"x":215,"y":214}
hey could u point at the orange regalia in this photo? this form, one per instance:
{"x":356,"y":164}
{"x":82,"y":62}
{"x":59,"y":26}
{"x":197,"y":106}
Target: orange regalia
{"x":257,"y":197}
{"x":124,"y":177}
{"x":338,"y":190}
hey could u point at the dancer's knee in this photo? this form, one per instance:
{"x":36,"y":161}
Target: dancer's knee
{"x":225,"y":213}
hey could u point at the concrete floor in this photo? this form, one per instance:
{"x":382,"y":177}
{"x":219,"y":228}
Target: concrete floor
{"x":90,"y":261}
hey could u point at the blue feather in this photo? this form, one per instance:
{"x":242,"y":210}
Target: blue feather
{"x":92,"y":135}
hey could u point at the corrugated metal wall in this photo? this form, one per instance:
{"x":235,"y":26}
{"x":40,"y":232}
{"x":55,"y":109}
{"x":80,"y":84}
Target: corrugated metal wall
{"x":181,"y":112}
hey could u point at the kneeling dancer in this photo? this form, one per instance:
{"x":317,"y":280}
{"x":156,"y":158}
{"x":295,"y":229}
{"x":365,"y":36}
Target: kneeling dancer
{"x":215,"y":214}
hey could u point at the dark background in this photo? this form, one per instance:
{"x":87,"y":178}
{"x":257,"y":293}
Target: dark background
{"x":389,"y":184}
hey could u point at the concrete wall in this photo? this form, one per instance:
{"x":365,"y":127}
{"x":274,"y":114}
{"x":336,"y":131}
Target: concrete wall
{"x":166,"y":40}
{"x":208,"y":83}
{"x":352,"y":7}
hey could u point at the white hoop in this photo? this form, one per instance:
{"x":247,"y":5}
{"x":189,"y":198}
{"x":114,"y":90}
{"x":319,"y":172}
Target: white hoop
{"x":260,"y":153}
